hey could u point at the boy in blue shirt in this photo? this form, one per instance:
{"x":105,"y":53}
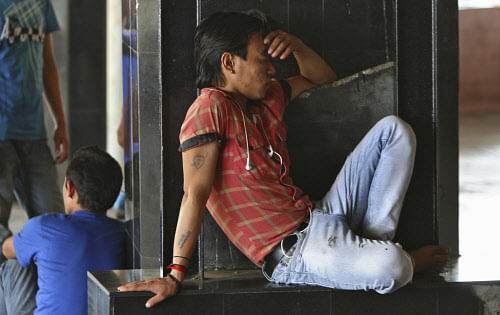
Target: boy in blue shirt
{"x":65,"y":246}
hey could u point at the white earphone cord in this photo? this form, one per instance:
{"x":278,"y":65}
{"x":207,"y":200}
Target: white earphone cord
{"x":248,"y":167}
{"x":271,"y":150}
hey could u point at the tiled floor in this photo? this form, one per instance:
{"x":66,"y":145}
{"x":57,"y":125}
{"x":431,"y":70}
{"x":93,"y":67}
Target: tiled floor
{"x":479,"y":204}
{"x":479,"y":198}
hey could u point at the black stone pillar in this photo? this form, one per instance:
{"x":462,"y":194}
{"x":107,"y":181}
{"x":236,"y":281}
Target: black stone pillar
{"x":179,"y":91}
{"x":87,"y":74}
{"x":143,"y":130}
{"x":428,"y":100}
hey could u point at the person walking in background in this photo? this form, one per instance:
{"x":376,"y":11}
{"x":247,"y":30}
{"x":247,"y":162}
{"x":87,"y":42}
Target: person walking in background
{"x":27,"y":72}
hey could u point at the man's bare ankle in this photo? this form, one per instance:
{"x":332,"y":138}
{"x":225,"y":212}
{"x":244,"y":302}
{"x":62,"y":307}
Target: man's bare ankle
{"x":431,"y":258}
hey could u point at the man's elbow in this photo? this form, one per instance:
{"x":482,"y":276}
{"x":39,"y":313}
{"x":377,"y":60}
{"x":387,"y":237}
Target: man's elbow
{"x":330,"y":77}
{"x":326,"y":78}
{"x":333,"y":77}
{"x":197,"y":195}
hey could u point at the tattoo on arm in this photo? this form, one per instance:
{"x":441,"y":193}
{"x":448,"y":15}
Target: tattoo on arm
{"x":198,"y":161}
{"x":184,"y":238}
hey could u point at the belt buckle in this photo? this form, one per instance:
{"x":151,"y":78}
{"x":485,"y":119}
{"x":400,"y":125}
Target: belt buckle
{"x":285,"y":245}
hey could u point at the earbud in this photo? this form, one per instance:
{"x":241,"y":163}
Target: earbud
{"x":249,"y":166}
{"x":271,"y":151}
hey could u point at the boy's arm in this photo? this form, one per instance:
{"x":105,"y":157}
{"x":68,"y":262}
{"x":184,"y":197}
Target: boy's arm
{"x":199,"y":165}
{"x":8,"y":248}
{"x":313,"y":69}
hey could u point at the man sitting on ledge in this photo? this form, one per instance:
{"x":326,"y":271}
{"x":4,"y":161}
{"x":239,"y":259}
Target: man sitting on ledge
{"x":61,"y":248}
{"x":236,"y":164}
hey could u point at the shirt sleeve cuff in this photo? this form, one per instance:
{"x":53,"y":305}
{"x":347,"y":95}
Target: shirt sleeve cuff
{"x":19,"y":253}
{"x":199,"y":140}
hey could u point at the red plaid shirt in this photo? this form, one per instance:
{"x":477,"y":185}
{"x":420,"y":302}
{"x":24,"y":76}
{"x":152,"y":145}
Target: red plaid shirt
{"x":257,"y":208}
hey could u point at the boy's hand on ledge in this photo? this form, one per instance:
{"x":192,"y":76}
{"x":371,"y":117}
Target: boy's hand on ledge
{"x":162,"y":287}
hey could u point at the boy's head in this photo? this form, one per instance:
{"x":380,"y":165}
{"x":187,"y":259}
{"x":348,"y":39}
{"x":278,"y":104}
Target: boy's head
{"x":93,"y":181}
{"x":224,"y":32}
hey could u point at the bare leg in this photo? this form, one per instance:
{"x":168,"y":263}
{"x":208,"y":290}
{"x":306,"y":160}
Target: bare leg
{"x":431,"y":258}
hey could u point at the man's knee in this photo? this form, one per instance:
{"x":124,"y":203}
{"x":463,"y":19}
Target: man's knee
{"x":395,"y":271}
{"x":401,"y":129}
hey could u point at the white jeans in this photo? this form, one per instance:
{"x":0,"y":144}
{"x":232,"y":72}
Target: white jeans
{"x":347,"y":244}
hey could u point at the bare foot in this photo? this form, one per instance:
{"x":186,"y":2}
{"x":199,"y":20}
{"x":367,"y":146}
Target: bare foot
{"x":431,"y":258}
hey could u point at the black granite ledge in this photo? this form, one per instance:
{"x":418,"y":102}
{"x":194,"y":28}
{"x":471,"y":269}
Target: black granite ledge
{"x":240,"y":292}
{"x":254,"y":281}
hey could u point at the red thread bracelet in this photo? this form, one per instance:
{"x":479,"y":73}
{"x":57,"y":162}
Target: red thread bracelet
{"x":177,"y":267}
{"x":178,"y":284}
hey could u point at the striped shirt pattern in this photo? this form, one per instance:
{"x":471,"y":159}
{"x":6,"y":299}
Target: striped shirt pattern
{"x":256,"y":208}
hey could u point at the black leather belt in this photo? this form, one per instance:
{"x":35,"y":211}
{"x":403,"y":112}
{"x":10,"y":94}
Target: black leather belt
{"x":274,"y":257}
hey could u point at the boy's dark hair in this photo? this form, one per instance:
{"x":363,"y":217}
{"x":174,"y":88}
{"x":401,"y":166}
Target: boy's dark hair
{"x":97,"y":178}
{"x":224,"y":32}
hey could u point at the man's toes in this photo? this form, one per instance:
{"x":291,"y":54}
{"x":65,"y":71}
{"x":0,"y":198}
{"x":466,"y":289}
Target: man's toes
{"x":439,"y":267}
{"x":440,"y":262}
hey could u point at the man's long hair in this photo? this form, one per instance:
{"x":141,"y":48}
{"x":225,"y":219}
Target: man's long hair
{"x":224,"y":32}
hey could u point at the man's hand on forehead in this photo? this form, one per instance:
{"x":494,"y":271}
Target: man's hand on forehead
{"x":282,"y":44}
